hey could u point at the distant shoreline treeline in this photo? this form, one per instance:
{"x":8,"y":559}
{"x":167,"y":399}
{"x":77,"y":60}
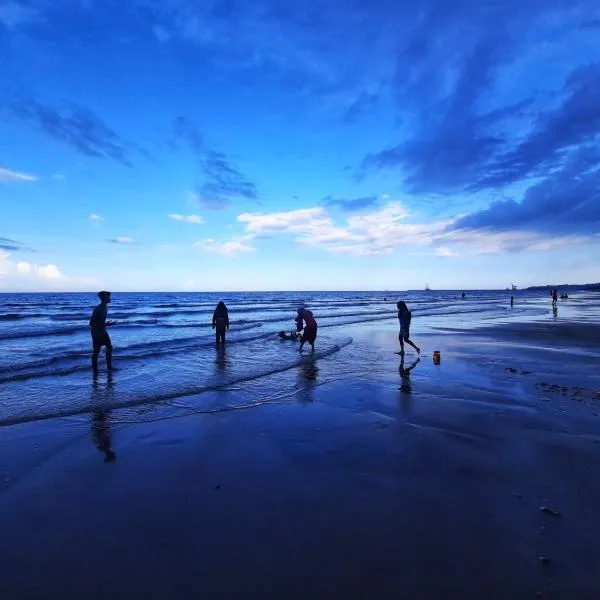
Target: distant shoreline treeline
{"x":567,"y":286}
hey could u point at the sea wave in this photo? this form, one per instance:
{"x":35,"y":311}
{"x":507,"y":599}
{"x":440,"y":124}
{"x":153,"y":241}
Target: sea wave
{"x":169,"y":343}
{"x":18,"y":334}
{"x":183,"y":392}
{"x":25,"y":373}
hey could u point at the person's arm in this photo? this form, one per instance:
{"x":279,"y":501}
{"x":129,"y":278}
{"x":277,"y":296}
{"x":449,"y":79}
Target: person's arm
{"x":227,"y":319}
{"x":214,"y":321}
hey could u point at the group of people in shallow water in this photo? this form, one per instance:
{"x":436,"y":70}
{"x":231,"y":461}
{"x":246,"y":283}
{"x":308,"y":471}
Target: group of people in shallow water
{"x":306,"y":328}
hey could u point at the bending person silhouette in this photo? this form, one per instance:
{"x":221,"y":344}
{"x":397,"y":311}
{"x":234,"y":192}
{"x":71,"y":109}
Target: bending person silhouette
{"x":100,"y":337}
{"x":310,"y":328}
{"x":220,"y":322}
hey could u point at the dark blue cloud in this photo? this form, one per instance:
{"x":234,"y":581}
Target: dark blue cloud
{"x":366,"y":102}
{"x":575,"y":121}
{"x":76,"y":126}
{"x":566,"y":202}
{"x":220,"y":180}
{"x":351,"y":204}
{"x":458,"y":137}
{"x":185,"y":130}
{"x":13,"y":246}
{"x":591,"y":24}
{"x":223,"y":182}
{"x":338,"y":53}
{"x":451,"y":140}
{"x":446,"y":73}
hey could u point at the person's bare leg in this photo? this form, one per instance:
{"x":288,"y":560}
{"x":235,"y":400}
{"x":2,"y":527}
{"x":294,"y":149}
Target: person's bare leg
{"x":414,"y":346}
{"x":95,"y":359}
{"x":301,"y":346}
{"x":312,"y":345}
{"x":401,"y":340}
{"x":109,"y":358}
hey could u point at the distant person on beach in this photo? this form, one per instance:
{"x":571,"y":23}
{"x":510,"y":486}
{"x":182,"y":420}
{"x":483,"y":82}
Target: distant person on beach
{"x":100,"y":337}
{"x":463,"y":295}
{"x":554,"y":297}
{"x":512,"y":300}
{"x":310,"y":328}
{"x":405,"y":316}
{"x":220,"y":322}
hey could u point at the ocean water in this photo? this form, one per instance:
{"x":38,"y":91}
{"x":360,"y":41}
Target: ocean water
{"x":165,"y":352}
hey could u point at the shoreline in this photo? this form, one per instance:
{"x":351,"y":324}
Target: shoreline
{"x":360,"y":486}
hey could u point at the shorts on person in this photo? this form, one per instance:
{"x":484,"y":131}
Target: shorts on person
{"x":404,"y":334}
{"x":101,"y":339}
{"x":310,"y":333}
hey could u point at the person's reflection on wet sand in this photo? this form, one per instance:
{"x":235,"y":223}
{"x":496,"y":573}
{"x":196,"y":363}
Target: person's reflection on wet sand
{"x":308,"y":373}
{"x":406,"y":386}
{"x":221,"y":359}
{"x":101,"y":433}
{"x":554,"y":311}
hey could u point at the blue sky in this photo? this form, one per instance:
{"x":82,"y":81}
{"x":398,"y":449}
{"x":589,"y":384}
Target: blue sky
{"x":352,"y":144}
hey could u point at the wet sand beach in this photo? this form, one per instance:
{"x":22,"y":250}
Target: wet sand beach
{"x":477,"y":478}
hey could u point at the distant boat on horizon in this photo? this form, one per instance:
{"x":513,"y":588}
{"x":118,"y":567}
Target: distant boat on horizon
{"x":427,"y":288}
{"x":513,"y":287}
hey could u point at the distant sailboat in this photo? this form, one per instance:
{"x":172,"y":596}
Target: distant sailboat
{"x":513,"y":287}
{"x":427,"y":288}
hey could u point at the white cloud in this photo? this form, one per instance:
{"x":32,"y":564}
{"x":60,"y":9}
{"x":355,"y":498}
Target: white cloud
{"x":8,"y":175}
{"x":187,"y":218}
{"x":13,"y":14}
{"x":161,"y":34}
{"x":486,"y":242}
{"x":375,"y":233}
{"x":50,"y":272}
{"x":26,"y":273}
{"x":122,"y":240}
{"x":314,"y":226}
{"x":94,"y":218}
{"x":24,"y":268}
{"x":226,"y":248}
{"x":392,"y":226}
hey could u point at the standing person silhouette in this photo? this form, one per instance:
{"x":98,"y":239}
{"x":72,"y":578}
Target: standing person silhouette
{"x":100,"y":337}
{"x":404,"y":316}
{"x":220,"y":322}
